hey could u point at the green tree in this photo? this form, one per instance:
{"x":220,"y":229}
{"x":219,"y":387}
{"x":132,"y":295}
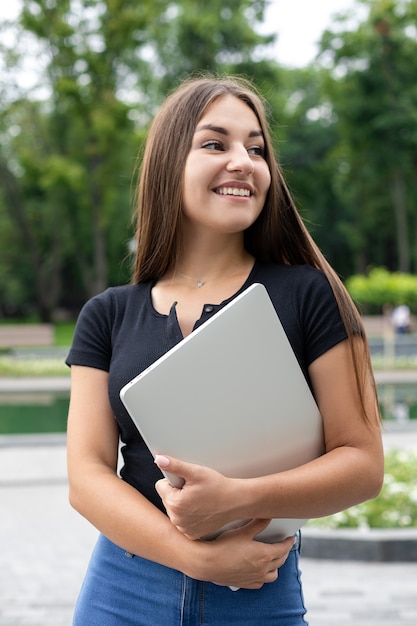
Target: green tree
{"x":217,"y":36}
{"x":35,"y":255}
{"x":104,"y":66}
{"x":374,"y":95}
{"x":307,"y":139}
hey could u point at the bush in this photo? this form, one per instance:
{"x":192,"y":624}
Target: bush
{"x":381,"y":288}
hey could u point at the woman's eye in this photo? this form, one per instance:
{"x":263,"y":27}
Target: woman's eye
{"x":257,"y":151}
{"x":212,"y":145}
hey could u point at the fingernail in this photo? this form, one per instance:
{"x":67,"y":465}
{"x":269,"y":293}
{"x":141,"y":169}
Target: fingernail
{"x":161,"y":461}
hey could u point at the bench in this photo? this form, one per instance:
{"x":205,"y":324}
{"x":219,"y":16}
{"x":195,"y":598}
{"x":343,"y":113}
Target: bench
{"x":26,"y":335}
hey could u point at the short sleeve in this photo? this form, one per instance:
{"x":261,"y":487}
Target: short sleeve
{"x":322,"y":322}
{"x":92,"y":346}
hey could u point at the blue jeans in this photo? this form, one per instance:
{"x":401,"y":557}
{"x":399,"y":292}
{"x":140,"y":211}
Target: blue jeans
{"x":120,"y":590}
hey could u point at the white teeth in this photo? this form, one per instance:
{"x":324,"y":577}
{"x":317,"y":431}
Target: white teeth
{"x":233,"y":191}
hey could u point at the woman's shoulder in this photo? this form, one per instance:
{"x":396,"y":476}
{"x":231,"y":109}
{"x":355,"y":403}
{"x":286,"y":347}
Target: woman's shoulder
{"x":116,"y":298}
{"x":122,"y":293}
{"x":296,"y":287}
{"x":287,"y":276}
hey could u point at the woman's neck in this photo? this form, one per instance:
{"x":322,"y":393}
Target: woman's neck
{"x":212,"y":259}
{"x":217,"y":268}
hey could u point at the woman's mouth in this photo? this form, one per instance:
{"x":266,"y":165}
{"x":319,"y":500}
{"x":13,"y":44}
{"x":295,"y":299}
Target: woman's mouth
{"x":234,"y":191}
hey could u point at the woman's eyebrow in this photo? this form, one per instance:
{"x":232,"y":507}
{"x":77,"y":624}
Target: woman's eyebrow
{"x":224,"y":131}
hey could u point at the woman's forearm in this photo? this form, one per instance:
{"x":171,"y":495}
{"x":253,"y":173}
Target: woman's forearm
{"x":136,"y":525}
{"x":340,"y":479}
{"x":337,"y":480}
{"x":128,"y":519}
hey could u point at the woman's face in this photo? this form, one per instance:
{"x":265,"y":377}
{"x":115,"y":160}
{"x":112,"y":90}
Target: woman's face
{"x":226,"y":178}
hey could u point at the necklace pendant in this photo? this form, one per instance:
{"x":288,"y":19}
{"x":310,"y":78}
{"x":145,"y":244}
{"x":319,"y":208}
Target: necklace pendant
{"x":200,"y":283}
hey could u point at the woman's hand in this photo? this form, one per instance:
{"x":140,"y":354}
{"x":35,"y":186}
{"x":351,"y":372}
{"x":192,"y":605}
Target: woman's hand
{"x":235,"y":559}
{"x":203,"y":504}
{"x":201,"y":507}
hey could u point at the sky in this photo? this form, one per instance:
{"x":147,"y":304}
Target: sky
{"x":298,"y":25}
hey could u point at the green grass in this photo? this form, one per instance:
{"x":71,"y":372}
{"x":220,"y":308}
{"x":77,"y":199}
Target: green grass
{"x":20,"y":367}
{"x":396,"y":505}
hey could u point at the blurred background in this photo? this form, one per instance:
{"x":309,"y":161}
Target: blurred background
{"x":80,"y":81}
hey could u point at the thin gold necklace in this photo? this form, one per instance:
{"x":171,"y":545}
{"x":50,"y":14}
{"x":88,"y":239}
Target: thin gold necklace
{"x":198,"y":281}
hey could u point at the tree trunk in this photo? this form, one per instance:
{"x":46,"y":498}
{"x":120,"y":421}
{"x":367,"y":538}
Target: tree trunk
{"x":398,"y":195}
{"x":99,"y":281}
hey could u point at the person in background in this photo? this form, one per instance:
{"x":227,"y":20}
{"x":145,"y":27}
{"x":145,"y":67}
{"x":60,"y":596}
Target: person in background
{"x":214,"y":215}
{"x":400,"y":318}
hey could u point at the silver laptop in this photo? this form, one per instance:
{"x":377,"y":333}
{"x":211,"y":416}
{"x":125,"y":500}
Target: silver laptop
{"x":231,"y":396}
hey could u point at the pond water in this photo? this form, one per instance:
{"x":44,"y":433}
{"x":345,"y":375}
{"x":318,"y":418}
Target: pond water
{"x":46,"y":412}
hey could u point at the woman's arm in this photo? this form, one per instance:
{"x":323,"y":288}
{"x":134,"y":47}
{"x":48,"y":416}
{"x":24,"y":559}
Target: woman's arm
{"x":350,"y":471}
{"x":128,"y":519}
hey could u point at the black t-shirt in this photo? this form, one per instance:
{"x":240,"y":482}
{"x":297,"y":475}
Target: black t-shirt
{"x":119,"y":331}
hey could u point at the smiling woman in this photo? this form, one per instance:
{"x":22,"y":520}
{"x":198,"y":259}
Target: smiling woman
{"x":226,"y":178}
{"x":214,"y":216}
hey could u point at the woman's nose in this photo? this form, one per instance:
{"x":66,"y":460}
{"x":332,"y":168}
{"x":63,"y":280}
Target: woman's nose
{"x":240,"y":160}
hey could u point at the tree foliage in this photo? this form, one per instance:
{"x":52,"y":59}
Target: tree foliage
{"x":345,"y":130}
{"x":105,"y":65}
{"x":374,"y":95}
{"x":380,"y":288}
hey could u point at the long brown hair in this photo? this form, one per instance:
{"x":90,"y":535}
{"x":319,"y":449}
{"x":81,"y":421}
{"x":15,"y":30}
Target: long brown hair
{"x":278,"y":235}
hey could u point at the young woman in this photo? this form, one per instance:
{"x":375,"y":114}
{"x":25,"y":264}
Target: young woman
{"x":214,"y":216}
